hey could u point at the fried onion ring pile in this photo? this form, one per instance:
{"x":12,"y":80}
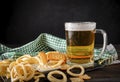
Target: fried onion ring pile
{"x":22,"y":69}
{"x":22,"y":72}
{"x":3,"y":67}
{"x":27,"y":67}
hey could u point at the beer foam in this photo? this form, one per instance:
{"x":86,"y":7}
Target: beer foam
{"x":80,"y":26}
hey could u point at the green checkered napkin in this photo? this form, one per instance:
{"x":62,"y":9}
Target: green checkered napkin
{"x":46,"y":42}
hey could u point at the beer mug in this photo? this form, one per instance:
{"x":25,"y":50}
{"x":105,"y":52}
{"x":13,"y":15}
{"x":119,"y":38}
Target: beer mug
{"x":80,"y":39}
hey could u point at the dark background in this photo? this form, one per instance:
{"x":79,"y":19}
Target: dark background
{"x":24,"y":20}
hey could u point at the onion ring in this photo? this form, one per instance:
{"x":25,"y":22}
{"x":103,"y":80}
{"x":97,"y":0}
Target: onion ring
{"x":43,"y":57}
{"x":11,"y":66}
{"x":53,"y":79}
{"x":74,"y":74}
{"x":58,"y":64}
{"x":55,"y":55}
{"x":13,"y":75}
{"x":22,"y":58}
{"x":22,"y":72}
{"x":30,"y":72}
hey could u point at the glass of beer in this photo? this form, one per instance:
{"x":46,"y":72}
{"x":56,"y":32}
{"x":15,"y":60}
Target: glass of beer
{"x":80,"y":39}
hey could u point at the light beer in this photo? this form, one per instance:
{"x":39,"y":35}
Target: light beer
{"x":80,"y":42}
{"x":80,"y":46}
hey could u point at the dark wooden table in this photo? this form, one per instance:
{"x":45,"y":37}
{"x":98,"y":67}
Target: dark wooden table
{"x":110,"y":73}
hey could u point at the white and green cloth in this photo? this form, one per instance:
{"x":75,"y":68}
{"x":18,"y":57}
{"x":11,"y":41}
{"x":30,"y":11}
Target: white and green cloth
{"x":47,"y":42}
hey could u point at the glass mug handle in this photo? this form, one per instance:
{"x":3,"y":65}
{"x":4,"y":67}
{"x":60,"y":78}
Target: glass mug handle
{"x":104,"y":42}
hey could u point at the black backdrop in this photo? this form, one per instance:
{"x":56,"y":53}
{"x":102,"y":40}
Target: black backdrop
{"x":24,"y":20}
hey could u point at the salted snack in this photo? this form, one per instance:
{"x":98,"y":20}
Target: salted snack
{"x":53,"y":79}
{"x":58,"y":64}
{"x":25,"y":67}
{"x":78,"y":77}
{"x":74,"y":77}
{"x":11,"y":65}
{"x":23,"y":58}
{"x":55,"y":58}
{"x":21,"y":72}
{"x":55,"y":55}
{"x":3,"y":67}
{"x":29,"y":67}
{"x":43,"y":57}
{"x":76,"y":66}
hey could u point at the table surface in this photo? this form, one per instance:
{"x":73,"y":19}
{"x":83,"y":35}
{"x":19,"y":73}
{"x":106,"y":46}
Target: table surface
{"x":110,"y":73}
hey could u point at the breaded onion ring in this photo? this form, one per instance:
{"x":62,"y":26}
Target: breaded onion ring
{"x":53,"y":79}
{"x":22,"y":72}
{"x":30,"y":72}
{"x":3,"y":67}
{"x":55,"y":55}
{"x":58,"y":64}
{"x":23,"y":58}
{"x":42,"y":57}
{"x":11,"y":66}
{"x":74,"y":74}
